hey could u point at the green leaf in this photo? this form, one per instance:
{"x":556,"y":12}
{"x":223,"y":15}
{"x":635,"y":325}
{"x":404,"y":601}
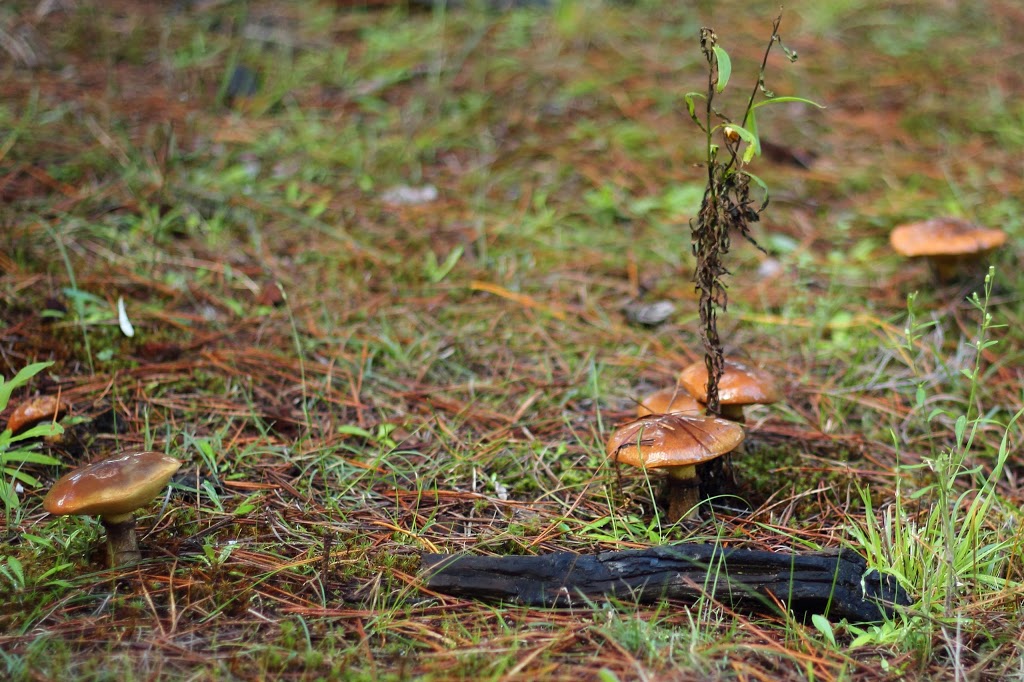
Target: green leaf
{"x":753,"y":144}
{"x":29,"y":457}
{"x":353,"y":430}
{"x":594,"y":525}
{"x":748,"y":153}
{"x":760,"y":183}
{"x":16,"y":570}
{"x":438,"y":271}
{"x":959,"y":428}
{"x":691,"y":106}
{"x":21,"y":378}
{"x":724,"y":68}
{"x":247,"y":505}
{"x":38,"y":540}
{"x":862,"y":639}
{"x":54,"y":571}
{"x":784,"y":99}
{"x":28,"y":479}
{"x":7,"y":495}
{"x":751,"y":124}
{"x":822,"y":625}
{"x":39,"y":431}
{"x":918,"y":494}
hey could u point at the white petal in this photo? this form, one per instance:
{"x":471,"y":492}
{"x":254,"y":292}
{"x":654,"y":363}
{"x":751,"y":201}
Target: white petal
{"x":122,"y":319}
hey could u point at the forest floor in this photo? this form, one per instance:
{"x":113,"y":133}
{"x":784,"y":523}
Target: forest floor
{"x":383,"y":266}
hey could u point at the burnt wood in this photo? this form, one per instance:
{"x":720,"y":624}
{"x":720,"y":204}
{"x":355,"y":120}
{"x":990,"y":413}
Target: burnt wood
{"x":837,"y":584}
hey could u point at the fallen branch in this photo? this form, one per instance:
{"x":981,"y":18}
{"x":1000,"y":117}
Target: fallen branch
{"x":836,"y":584}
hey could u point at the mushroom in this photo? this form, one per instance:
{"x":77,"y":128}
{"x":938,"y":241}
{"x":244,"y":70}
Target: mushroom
{"x":945,"y":243}
{"x":113,"y":488}
{"x":676,"y":443}
{"x":34,"y":411}
{"x":668,"y":400}
{"x":740,"y":385}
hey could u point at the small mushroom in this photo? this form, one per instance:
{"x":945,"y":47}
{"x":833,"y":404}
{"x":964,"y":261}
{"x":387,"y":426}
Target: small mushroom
{"x":668,"y":400}
{"x":35,"y":411}
{"x":113,"y":489}
{"x":946,"y":243}
{"x":740,"y":385}
{"x":676,"y":443}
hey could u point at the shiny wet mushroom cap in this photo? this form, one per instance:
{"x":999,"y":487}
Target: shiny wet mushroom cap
{"x":675,"y":443}
{"x":113,"y":489}
{"x":668,"y":400}
{"x":35,"y":411}
{"x":740,"y":385}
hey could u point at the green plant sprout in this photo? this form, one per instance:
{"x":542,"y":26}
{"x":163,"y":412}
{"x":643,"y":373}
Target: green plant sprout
{"x":727,"y":205}
{"x":12,"y":455}
{"x":952,"y":548}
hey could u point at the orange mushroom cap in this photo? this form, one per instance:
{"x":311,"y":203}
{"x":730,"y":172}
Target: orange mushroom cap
{"x":112,"y":488}
{"x":944,"y":237}
{"x":35,"y":411}
{"x":668,"y":400}
{"x":673,"y":440}
{"x":739,"y":385}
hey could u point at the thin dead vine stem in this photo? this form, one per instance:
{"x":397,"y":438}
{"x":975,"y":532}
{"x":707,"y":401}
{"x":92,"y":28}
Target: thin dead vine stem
{"x":725,"y":208}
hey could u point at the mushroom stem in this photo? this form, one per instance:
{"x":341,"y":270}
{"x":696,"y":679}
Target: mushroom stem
{"x":733,"y":413}
{"x":947,"y":270}
{"x":122,"y":543}
{"x":683,"y":491}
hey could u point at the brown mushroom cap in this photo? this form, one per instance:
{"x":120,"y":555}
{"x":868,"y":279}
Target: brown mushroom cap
{"x":112,"y":488}
{"x":673,"y":440}
{"x":944,"y":237}
{"x":739,"y":385}
{"x":668,"y":400}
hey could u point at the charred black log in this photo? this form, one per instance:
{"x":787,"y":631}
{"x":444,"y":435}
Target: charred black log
{"x":836,"y":584}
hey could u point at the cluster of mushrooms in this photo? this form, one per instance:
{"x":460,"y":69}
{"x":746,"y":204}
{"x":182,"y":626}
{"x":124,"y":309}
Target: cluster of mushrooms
{"x":673,"y":433}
